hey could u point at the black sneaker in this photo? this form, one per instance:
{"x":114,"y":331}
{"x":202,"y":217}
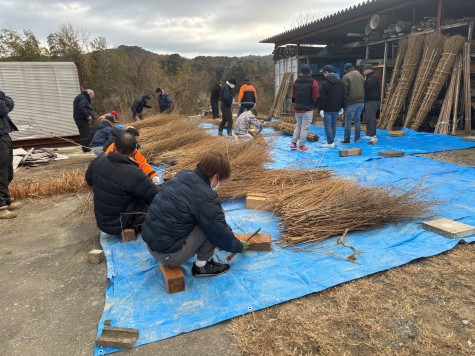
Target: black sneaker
{"x":211,"y":268}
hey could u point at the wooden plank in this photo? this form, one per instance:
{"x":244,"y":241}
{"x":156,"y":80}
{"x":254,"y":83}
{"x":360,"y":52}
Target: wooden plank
{"x":128,"y":235}
{"x":260,"y":242}
{"x":259,"y":202}
{"x":174,"y":278}
{"x":449,"y":228}
{"x":391,"y":153}
{"x":397,"y":133}
{"x":350,"y":152}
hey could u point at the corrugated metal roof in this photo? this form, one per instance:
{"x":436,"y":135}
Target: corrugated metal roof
{"x":368,"y":8}
{"x":43,"y":93}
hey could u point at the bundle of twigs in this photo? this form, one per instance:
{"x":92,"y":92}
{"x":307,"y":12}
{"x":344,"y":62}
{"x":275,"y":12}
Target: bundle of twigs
{"x":451,"y":49}
{"x":433,"y":46}
{"x":401,"y":52}
{"x":279,"y":99}
{"x":409,"y":68}
{"x":443,"y":121}
{"x":288,"y":129}
{"x":316,"y":211}
{"x":65,"y":182}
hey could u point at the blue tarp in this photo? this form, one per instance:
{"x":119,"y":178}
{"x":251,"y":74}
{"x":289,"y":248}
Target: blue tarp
{"x":136,"y":296}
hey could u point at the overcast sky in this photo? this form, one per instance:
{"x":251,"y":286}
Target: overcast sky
{"x":187,"y":27}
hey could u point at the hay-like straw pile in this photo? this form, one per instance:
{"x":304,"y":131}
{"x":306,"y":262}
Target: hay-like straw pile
{"x":433,"y":45}
{"x":319,"y":210}
{"x":65,"y":182}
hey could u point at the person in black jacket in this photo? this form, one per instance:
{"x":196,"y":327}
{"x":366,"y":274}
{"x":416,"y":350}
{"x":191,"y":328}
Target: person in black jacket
{"x":138,"y":106}
{"x":226,"y":99}
{"x":6,"y":156}
{"x":372,"y":99}
{"x":214,"y":98}
{"x":186,"y":217}
{"x":331,"y":102}
{"x":83,"y":114}
{"x":122,"y":191}
{"x":105,"y":125}
{"x":164,"y":100}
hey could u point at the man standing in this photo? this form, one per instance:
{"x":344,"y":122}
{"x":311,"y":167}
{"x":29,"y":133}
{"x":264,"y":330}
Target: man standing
{"x":372,"y":99}
{"x":354,"y":94}
{"x":83,"y":114}
{"x":165,"y":102}
{"x":138,"y":106}
{"x":304,"y":97}
{"x":247,"y":97}
{"x":122,"y":191}
{"x":6,"y":156}
{"x":226,"y":99}
{"x":214,"y":98}
{"x":332,"y":101}
{"x":187,"y":218}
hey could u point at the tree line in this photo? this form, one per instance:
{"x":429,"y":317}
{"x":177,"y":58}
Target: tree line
{"x":119,"y":75}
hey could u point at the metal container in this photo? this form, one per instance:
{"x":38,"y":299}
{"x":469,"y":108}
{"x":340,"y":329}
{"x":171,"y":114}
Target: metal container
{"x":380,"y":22}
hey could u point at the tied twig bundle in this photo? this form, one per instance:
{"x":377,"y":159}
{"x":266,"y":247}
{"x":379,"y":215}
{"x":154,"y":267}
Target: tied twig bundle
{"x":401,"y":52}
{"x":451,"y":49}
{"x":316,"y":211}
{"x":288,"y":129}
{"x":433,"y":45}
{"x":409,"y":68}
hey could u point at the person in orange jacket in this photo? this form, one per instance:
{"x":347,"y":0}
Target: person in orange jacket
{"x":247,"y":97}
{"x":138,"y":157}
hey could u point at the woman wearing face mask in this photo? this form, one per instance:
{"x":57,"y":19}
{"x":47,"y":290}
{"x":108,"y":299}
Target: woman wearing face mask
{"x":186,"y":218}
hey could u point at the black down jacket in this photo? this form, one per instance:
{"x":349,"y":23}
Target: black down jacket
{"x":183,"y":202}
{"x":119,"y":186}
{"x":82,"y":108}
{"x":332,"y":94}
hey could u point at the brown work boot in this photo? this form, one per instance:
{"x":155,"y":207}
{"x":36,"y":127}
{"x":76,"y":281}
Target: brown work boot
{"x":14,"y":205}
{"x":6,"y":214}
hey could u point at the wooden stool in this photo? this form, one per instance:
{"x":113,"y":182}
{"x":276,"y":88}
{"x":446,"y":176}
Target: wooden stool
{"x":128,"y":235}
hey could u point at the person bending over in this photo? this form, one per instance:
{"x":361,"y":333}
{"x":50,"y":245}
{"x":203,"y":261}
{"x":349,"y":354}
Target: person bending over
{"x":186,"y":218}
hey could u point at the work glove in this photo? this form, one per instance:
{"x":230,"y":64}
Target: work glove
{"x":322,"y":113}
{"x":245,"y":246}
{"x":156,"y":180}
{"x":341,"y":111}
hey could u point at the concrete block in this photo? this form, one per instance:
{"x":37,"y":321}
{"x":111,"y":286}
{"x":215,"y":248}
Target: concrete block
{"x":128,"y":235}
{"x":260,"y":242}
{"x":174,"y":278}
{"x":123,"y":338}
{"x":95,"y":257}
{"x":397,"y":133}
{"x":259,"y":202}
{"x":391,"y":153}
{"x":449,"y":228}
{"x":350,"y":152}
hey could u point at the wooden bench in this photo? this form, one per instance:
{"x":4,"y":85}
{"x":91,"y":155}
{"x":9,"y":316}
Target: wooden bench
{"x":174,"y":278}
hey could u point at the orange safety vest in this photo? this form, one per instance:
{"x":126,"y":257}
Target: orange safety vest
{"x":139,"y":159}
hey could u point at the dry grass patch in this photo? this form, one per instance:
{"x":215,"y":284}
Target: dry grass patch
{"x":426,"y":307}
{"x":72,"y":181}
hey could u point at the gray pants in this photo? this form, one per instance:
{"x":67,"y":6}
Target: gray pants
{"x":304,"y":119}
{"x":196,"y":242}
{"x":370,"y":109}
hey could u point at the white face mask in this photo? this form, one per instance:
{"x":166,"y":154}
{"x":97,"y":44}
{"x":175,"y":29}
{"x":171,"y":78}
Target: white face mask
{"x":217,"y":186}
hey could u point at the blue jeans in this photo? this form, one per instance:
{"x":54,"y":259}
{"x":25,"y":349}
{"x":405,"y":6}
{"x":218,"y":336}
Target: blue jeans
{"x":353,"y":111}
{"x":304,"y":119}
{"x":329,"y":121}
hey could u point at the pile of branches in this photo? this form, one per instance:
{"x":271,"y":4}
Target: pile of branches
{"x":328,"y":207}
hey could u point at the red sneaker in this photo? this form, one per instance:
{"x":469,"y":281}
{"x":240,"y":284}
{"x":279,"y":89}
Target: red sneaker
{"x":293,"y":146}
{"x":302,"y":148}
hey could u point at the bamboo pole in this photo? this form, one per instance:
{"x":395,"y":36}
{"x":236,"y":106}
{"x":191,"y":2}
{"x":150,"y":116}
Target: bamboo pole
{"x":442,"y":126}
{"x":457,"y":92}
{"x":467,"y":94}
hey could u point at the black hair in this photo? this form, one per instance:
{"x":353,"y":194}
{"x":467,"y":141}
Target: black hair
{"x":133,"y":131}
{"x":125,"y":143}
